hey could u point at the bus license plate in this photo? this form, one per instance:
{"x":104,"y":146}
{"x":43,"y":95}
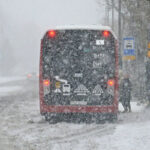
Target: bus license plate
{"x":78,"y":103}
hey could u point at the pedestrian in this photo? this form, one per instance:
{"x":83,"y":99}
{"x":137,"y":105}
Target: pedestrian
{"x":148,"y":81}
{"x":125,"y":93}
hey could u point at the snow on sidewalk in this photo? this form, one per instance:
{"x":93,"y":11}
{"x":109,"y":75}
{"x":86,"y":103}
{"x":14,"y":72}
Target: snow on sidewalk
{"x":134,"y":107}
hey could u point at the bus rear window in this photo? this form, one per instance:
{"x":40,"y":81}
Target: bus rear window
{"x":78,"y":50}
{"x":81,"y":60}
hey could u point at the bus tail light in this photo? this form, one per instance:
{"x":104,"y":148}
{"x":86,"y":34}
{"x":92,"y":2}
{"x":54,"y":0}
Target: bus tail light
{"x":46,"y":82}
{"x":111,"y":82}
{"x":106,"y":33}
{"x":110,"y":87}
{"x":51,"y":33}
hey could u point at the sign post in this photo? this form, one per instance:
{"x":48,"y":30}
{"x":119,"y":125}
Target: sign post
{"x":148,"y":34}
{"x":148,"y":45}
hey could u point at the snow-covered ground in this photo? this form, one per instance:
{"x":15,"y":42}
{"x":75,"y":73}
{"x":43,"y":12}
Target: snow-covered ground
{"x":23,"y":128}
{"x":11,"y":79}
{"x":7,"y":86}
{"x":4,"y":91}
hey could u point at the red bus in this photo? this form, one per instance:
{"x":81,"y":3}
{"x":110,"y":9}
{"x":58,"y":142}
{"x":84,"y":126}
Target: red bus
{"x":79,"y":74}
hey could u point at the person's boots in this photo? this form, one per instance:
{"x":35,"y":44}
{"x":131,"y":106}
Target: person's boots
{"x":125,"y":110}
{"x":129,"y":107}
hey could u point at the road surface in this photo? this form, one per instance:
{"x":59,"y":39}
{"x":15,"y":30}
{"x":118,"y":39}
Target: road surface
{"x":23,"y":128}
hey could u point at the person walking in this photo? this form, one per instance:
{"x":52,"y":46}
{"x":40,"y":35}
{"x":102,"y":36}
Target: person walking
{"x":147,"y":81}
{"x":125,"y":93}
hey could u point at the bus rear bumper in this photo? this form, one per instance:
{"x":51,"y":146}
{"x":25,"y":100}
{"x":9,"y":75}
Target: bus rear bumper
{"x":80,"y":117}
{"x":78,"y":114}
{"x":78,"y":109}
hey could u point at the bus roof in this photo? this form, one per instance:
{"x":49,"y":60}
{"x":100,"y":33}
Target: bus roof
{"x":84,"y":27}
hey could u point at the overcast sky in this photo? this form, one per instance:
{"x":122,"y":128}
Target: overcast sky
{"x":24,"y":22}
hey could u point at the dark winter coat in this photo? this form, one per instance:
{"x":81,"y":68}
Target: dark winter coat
{"x":148,"y":77}
{"x":125,"y":90}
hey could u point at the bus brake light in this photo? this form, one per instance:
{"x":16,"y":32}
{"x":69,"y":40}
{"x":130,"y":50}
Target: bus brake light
{"x":105,"y":34}
{"x":46,"y":82}
{"x":51,"y":33}
{"x":110,"y":82}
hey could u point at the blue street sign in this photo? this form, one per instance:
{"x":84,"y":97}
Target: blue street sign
{"x":129,"y":46}
{"x":129,"y":52}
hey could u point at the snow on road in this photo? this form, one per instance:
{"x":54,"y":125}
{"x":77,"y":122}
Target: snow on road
{"x":22,"y":128}
{"x":7,"y":86}
{"x":4,"y":91}
{"x":11,"y":79}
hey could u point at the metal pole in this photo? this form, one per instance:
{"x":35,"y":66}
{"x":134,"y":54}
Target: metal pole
{"x":107,"y":12}
{"x":112,"y":1}
{"x":119,"y":32}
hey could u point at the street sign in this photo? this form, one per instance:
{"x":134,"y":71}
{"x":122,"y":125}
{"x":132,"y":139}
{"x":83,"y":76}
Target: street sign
{"x":129,"y":57}
{"x":129,"y":48}
{"x":129,"y":52}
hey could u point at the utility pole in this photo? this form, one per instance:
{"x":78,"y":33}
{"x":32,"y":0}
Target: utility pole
{"x":112,"y":1}
{"x":119,"y":32}
{"x":107,"y":12}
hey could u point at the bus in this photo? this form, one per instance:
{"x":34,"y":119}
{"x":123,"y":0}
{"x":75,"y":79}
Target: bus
{"x":79,"y":74}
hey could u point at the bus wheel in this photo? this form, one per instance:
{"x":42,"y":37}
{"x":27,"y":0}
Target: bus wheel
{"x":100,"y":119}
{"x":113,"y":118}
{"x":51,"y":119}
